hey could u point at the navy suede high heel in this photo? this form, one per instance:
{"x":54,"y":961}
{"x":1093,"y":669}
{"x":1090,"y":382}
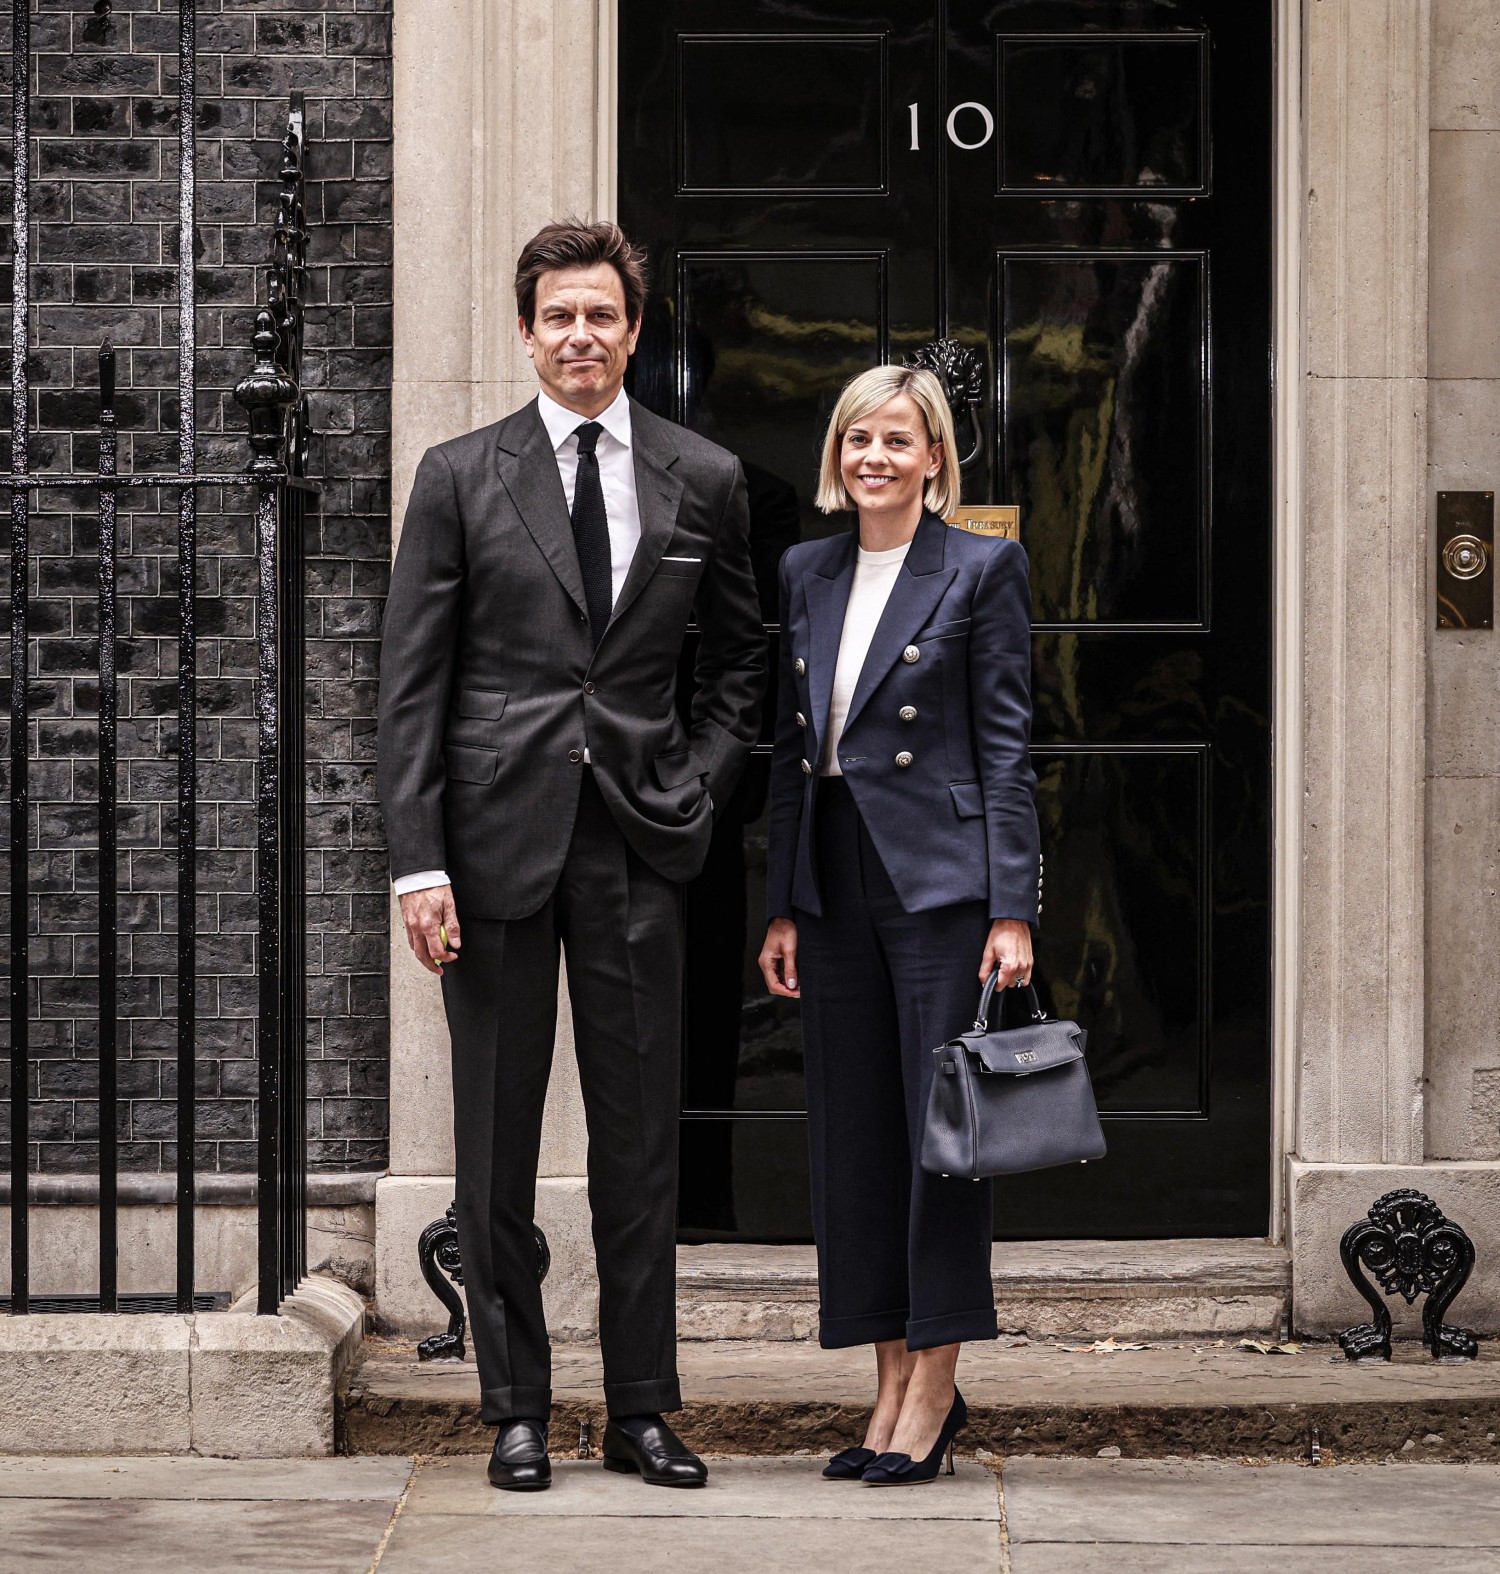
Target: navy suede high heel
{"x":901,"y":1470}
{"x":848,"y":1464}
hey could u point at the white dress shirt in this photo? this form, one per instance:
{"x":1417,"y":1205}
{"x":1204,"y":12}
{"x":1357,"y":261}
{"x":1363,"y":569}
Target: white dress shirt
{"x":874,"y":578}
{"x":621,"y":513}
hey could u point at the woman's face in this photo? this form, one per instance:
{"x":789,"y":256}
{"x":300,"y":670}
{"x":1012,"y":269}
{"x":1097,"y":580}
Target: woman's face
{"x":887,"y":458}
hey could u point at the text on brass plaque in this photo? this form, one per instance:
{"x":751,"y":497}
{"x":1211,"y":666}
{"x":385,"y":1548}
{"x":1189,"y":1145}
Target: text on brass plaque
{"x":991,"y":519}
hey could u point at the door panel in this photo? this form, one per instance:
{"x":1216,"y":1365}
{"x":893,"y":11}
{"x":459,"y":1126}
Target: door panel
{"x":1103,"y":442}
{"x":1079,"y":192}
{"x":1102,"y":113}
{"x":1126,"y":832}
{"x":749,"y":125}
{"x":766,"y":342}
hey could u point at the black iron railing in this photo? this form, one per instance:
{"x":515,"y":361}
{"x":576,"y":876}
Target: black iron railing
{"x":277,"y":412}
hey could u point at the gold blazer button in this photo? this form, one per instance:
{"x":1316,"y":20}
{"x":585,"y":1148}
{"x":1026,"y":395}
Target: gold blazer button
{"x":801,"y":667}
{"x":907,"y":713}
{"x":904,"y":759}
{"x":911,"y":654}
{"x":806,"y":768}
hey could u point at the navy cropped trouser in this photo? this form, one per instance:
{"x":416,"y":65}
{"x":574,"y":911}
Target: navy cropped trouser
{"x":901,"y":1254}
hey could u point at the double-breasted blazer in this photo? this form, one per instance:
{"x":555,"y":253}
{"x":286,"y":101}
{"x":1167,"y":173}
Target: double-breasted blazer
{"x":935,"y":745}
{"x":491,"y":688}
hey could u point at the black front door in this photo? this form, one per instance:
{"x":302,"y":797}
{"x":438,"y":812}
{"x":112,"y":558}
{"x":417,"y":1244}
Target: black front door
{"x":1079,"y":192}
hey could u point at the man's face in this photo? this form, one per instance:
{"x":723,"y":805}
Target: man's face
{"x":581,"y":340}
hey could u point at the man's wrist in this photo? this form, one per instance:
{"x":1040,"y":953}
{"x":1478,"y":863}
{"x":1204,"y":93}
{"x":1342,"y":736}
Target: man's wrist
{"x":422,"y":880}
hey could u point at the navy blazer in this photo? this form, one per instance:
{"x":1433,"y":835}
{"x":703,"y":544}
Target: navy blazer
{"x":935,"y":747}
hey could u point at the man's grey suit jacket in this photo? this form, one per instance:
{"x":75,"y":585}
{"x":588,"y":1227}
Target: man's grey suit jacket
{"x":490,"y":686}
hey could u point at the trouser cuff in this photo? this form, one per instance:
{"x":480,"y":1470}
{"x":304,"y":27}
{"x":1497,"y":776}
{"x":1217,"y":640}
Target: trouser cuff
{"x":499,"y":1405}
{"x":838,"y":1333}
{"x":927,"y":1333}
{"x":654,"y":1396}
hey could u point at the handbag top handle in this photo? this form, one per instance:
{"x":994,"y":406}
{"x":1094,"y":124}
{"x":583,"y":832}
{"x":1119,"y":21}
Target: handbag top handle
{"x":986,"y":999}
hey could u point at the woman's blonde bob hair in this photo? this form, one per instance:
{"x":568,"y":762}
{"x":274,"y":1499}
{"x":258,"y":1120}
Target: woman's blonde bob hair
{"x":866,"y":393}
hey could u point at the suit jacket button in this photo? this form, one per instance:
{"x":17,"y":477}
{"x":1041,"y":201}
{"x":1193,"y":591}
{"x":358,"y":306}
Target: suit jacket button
{"x":801,"y":719}
{"x":806,"y":768}
{"x":801,"y":667}
{"x":575,"y":756}
{"x":908,"y":713}
{"x":911,"y":654}
{"x":904,"y":759}
{"x":588,"y":688}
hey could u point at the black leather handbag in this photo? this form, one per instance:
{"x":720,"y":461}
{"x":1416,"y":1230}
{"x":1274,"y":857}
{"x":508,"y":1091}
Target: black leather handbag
{"x":1012,"y":1099}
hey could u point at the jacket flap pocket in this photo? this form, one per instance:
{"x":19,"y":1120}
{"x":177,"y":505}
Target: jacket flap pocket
{"x":672,"y":770}
{"x":967,"y":799}
{"x":470,"y":765}
{"x":1018,"y":1052}
{"x":945,"y":629}
{"x":487,"y":704}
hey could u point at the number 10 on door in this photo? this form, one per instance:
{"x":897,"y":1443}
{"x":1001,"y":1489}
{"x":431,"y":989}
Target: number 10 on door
{"x":968,"y":108}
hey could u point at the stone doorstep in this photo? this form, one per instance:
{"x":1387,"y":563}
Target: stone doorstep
{"x":1132,"y":1289}
{"x":218,"y":1383}
{"x":1025,"y":1397}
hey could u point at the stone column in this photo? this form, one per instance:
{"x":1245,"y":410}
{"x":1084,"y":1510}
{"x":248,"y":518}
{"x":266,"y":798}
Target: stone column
{"x":500,"y":125}
{"x":1359,"y":1083}
{"x":1364,"y":589}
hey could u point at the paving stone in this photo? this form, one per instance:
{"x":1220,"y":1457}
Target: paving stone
{"x":737,"y":1489}
{"x":1157,"y":1502}
{"x":157,"y":1537}
{"x":321,"y":1480}
{"x":454,"y":1543}
{"x":1152,"y":1558}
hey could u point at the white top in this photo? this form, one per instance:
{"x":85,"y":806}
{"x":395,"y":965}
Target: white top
{"x":874,"y":577}
{"x":621,"y":512}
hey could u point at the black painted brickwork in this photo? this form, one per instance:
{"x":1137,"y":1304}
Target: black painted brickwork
{"x":104,"y":206}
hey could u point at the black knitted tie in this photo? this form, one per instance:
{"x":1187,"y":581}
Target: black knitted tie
{"x":591,"y":531}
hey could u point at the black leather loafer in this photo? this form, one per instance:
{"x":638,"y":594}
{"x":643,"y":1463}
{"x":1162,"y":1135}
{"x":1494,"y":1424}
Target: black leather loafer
{"x":648,"y":1447}
{"x":519,"y":1461}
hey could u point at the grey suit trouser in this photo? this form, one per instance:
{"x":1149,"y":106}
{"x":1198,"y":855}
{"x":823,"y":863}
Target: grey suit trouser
{"x":620,"y":924}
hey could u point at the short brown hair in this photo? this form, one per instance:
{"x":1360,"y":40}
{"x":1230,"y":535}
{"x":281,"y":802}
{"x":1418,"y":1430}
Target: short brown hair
{"x":570,"y":243}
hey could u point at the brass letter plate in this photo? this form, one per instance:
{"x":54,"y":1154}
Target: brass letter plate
{"x":1002,"y":519}
{"x":1465,"y":542}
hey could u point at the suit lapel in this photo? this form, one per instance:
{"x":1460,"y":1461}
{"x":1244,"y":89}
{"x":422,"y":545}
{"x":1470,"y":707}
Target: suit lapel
{"x":528,"y":468}
{"x":826,"y":589}
{"x":658,"y":492}
{"x":918,"y":589}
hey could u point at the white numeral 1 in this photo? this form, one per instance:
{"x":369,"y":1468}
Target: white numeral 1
{"x":914,"y":147}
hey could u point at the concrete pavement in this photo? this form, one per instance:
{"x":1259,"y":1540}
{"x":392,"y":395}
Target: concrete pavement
{"x":395,"y":1515}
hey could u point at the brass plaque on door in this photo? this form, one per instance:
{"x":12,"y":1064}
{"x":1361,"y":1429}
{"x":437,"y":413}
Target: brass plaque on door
{"x":992,"y":519}
{"x":1465,"y":542}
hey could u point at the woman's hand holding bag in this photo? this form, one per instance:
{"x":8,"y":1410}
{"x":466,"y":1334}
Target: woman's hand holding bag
{"x":1006,"y":1101}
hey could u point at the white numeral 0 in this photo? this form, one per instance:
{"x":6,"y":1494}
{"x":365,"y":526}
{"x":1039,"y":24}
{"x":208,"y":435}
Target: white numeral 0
{"x":989,"y":125}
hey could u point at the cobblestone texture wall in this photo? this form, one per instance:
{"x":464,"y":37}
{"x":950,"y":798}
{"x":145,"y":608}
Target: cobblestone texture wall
{"x":104,"y":203}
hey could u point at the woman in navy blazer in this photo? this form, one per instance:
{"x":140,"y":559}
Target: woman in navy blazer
{"x":903,"y":865}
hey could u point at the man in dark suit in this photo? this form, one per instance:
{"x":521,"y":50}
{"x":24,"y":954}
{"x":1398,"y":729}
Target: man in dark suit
{"x":536,"y":779}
